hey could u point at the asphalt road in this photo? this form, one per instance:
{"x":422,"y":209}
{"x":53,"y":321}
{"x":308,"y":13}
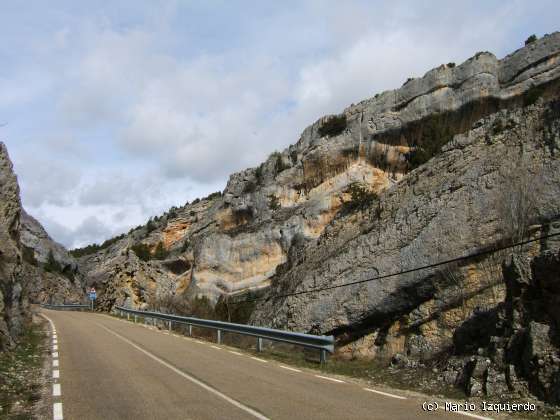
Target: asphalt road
{"x":114,"y":369}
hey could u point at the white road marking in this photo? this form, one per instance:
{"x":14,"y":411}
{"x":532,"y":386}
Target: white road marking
{"x":464,"y":413}
{"x":260,"y":360}
{"x":56,"y":374}
{"x":55,"y":363}
{"x":216,"y":347}
{"x":330,"y":379}
{"x":55,"y":341}
{"x":200,"y":342}
{"x":57,"y":411}
{"x":192,"y":379}
{"x":289,"y":368}
{"x":56,"y":390}
{"x":55,"y":354}
{"x":55,"y":347}
{"x":385,"y":393}
{"x":235,"y":352}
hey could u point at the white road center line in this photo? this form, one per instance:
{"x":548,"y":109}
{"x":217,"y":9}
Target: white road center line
{"x":385,"y":393}
{"x":216,"y":347}
{"x":56,"y":390}
{"x":330,"y":379}
{"x":190,"y":378}
{"x":57,"y":411}
{"x":464,"y":413}
{"x":236,"y":352}
{"x":289,"y":368}
{"x":56,"y":374}
{"x":55,"y":363}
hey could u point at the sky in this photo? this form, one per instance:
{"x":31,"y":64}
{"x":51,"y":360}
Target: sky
{"x":114,"y":111}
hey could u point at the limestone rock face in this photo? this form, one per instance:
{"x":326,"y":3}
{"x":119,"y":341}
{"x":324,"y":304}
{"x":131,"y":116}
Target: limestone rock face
{"x":13,"y":302}
{"x":24,"y":248}
{"x":235,"y":241}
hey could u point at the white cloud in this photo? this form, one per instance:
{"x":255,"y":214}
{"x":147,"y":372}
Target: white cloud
{"x":125,"y":112}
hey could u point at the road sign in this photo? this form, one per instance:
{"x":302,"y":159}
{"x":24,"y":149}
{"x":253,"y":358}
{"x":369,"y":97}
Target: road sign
{"x":92,"y":294}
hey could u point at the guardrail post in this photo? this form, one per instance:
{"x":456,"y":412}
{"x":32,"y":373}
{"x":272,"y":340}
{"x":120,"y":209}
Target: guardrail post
{"x":259,"y":344}
{"x":190,"y":330}
{"x":127,"y":316}
{"x":323,"y":357}
{"x":135,"y":318}
{"x":219,"y":336}
{"x":169,"y":326}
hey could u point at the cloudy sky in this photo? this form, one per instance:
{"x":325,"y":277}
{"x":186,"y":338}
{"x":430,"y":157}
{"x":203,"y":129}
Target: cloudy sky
{"x":114,"y":111}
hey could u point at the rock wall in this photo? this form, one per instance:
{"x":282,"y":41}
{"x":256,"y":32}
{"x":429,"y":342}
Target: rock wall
{"x":24,"y":252}
{"x":13,"y":302}
{"x":233,"y":242}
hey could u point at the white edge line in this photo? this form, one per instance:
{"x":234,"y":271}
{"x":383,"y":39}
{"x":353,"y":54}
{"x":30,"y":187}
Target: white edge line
{"x":464,"y":413}
{"x":189,"y":377}
{"x":55,"y":363}
{"x":57,"y":411}
{"x":260,"y":360}
{"x":216,"y":347}
{"x":330,"y":379}
{"x":56,"y":374}
{"x":385,"y":393}
{"x":235,"y":352}
{"x":55,"y":354}
{"x":56,"y":390}
{"x":289,"y":368}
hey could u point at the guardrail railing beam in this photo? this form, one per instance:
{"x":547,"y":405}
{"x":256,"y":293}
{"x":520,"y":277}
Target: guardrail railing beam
{"x":320,"y":342}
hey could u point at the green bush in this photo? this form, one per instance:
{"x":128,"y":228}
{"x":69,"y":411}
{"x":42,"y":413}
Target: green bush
{"x":28,"y":255}
{"x":273,"y":202}
{"x":160,"y":252}
{"x":52,"y":265}
{"x":435,"y":133}
{"x":451,"y":65}
{"x":531,"y":39}
{"x":93,"y":248}
{"x":532,"y":95}
{"x":360,"y":197}
{"x":142,"y":251}
{"x":333,"y":126}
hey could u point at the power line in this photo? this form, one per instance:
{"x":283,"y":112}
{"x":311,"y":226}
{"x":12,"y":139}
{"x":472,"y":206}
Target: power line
{"x":411,"y":270}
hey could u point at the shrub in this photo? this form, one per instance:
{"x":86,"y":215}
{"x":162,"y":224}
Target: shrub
{"x":142,"y":251}
{"x":273,"y":202}
{"x":360,"y":197}
{"x":279,"y":164}
{"x":52,"y":265}
{"x":93,"y":248}
{"x":236,"y":310}
{"x":150,"y":226}
{"x":531,"y":39}
{"x":185,"y":245}
{"x":333,"y":126}
{"x":435,"y":132}
{"x":28,"y":255}
{"x":160,"y":252}
{"x":451,"y":65}
{"x":214,"y":195}
{"x":532,"y":95}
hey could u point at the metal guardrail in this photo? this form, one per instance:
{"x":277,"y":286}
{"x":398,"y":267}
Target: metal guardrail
{"x":321,"y":342}
{"x":65,"y":307}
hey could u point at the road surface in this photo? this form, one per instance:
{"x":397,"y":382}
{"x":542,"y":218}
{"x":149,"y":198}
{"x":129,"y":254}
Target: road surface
{"x":114,"y":369}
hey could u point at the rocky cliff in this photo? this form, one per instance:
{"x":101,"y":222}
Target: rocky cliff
{"x":33,"y":268}
{"x":460,"y":160}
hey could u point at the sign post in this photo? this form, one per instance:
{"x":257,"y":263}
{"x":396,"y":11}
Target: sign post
{"x":92,"y":296}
